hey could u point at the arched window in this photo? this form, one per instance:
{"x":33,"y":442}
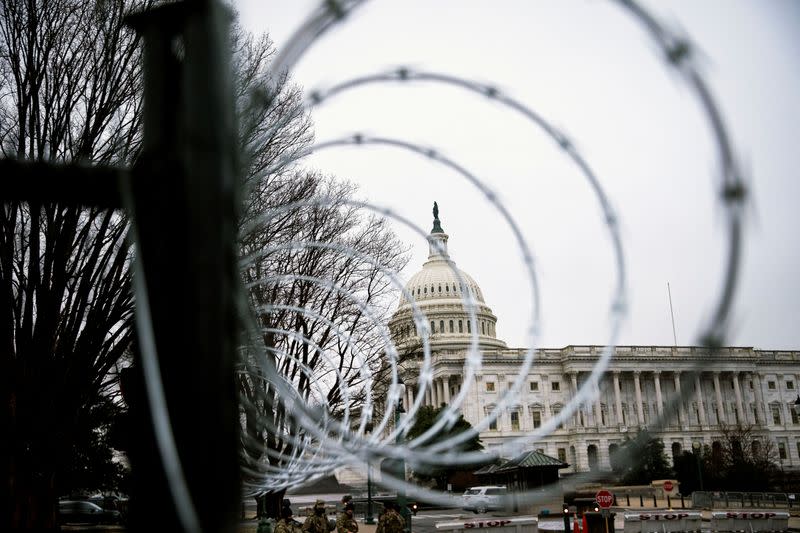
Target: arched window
{"x":440,"y":288}
{"x":460,"y":326}
{"x":451,"y":326}
{"x":483,"y":327}
{"x":426,"y":290}
{"x":441,"y":326}
{"x":447,"y":288}
{"x":469,"y":326}
{"x":613,"y":457}
{"x":676,"y":452}
{"x":433,"y":326}
{"x":591,"y":453}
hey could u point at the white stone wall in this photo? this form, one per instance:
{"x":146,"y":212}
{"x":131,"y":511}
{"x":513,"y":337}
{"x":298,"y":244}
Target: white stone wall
{"x":774,"y":377}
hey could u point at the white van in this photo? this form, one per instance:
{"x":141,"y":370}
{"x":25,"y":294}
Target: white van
{"x":484,"y":498}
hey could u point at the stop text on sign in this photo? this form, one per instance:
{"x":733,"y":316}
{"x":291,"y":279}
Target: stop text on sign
{"x":751,"y":516}
{"x":662,"y":516}
{"x":487,"y":523}
{"x":604,"y":499}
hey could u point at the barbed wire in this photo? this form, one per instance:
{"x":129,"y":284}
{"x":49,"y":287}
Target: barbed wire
{"x":321,"y":443}
{"x":678,"y":53}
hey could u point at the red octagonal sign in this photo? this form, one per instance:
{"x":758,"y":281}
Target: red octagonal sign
{"x":668,"y":486}
{"x":604,"y":498}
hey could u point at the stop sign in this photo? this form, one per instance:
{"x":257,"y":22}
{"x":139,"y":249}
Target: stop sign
{"x":668,"y":486}
{"x":604,"y":498}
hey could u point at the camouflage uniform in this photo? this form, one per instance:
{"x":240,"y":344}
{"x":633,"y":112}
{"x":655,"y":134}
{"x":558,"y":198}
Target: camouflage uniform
{"x":391,"y":522}
{"x":345,"y":523}
{"x":317,"y":523}
{"x":288,"y":525}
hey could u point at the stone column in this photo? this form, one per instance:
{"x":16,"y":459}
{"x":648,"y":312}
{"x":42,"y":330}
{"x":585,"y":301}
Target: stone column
{"x":546,"y":397}
{"x":762,"y":409}
{"x":617,"y":399}
{"x":739,"y":404}
{"x":573,"y":377}
{"x":682,"y":410}
{"x":428,"y":394}
{"x":638,"y":387}
{"x":409,"y":397}
{"x":700,"y":404}
{"x":597,"y":409}
{"x":659,"y":399}
{"x":446,"y":383}
{"x":720,"y":405}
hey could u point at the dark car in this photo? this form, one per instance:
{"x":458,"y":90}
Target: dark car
{"x":85,"y":512}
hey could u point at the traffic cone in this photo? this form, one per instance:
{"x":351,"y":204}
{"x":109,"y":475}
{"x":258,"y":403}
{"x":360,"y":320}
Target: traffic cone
{"x":576,"y":525}
{"x":585,"y":526}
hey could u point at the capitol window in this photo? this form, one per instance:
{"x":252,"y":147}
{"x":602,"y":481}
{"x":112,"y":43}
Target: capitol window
{"x":514,"y":420}
{"x":433,"y":326}
{"x":555,"y":386}
{"x":771,"y":385}
{"x":460,"y":326}
{"x":490,"y":386}
{"x":537,"y":419}
{"x":451,"y":326}
{"x":790,"y":385}
{"x":493,"y":425}
{"x":776,"y":414}
{"x":534,"y":386}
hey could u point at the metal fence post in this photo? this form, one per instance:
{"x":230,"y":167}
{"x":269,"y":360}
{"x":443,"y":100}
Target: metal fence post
{"x":184,"y":205}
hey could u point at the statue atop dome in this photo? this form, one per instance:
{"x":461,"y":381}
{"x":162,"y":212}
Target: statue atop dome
{"x":437,"y":224}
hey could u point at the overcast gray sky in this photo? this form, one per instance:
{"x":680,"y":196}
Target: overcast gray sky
{"x":589,"y":68}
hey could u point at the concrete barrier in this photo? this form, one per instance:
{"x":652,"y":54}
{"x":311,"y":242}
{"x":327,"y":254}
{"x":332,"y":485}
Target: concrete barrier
{"x":503,"y":524}
{"x":749,"y":521}
{"x":663,"y":521}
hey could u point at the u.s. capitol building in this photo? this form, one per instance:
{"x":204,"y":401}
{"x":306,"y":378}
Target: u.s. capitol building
{"x":737,"y":385}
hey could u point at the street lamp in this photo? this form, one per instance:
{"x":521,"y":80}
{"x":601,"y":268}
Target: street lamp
{"x":369,"y":519}
{"x":401,"y":475}
{"x":697,"y":447}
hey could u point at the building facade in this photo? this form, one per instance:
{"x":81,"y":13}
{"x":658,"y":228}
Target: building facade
{"x":738,"y":385}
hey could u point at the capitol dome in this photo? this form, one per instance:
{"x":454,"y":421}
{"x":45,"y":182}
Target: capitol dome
{"x":440,"y":290}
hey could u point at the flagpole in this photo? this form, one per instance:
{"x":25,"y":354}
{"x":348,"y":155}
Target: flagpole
{"x":672,"y":315}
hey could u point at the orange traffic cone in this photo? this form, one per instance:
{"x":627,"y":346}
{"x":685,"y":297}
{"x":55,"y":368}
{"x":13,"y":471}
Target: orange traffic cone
{"x":585,"y":526}
{"x":576,"y":525}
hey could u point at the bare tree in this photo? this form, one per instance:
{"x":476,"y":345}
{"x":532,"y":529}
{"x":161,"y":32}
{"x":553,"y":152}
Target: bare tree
{"x":312,"y":289}
{"x":70,"y":91}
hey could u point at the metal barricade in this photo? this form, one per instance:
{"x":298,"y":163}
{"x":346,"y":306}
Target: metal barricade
{"x":751,"y":521}
{"x":505,"y":524}
{"x":663,"y":521}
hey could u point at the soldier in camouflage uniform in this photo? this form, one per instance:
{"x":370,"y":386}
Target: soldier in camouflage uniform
{"x":345,"y":523}
{"x":317,"y":522}
{"x":391,"y":521}
{"x":287,"y":523}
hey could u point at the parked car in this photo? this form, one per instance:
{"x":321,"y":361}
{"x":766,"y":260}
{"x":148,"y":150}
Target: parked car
{"x":85,"y":512}
{"x":484,"y":498}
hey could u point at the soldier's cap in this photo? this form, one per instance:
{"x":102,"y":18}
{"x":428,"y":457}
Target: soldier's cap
{"x":320,"y":503}
{"x":349,"y":506}
{"x":346,"y":498}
